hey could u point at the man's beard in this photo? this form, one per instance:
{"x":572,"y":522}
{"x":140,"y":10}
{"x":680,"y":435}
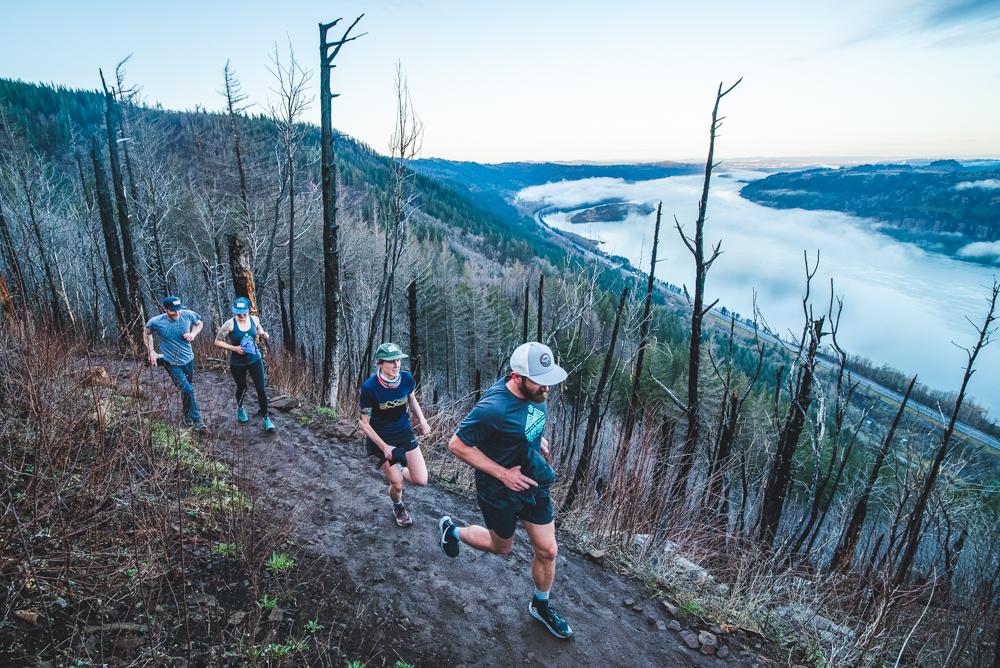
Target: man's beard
{"x":538,"y":396}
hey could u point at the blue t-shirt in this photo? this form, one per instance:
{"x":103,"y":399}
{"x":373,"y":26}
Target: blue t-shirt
{"x":173,"y":347}
{"x":389,"y":416}
{"x":505,"y":428}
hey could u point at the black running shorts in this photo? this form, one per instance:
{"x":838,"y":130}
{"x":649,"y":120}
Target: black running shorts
{"x":400,"y":447}
{"x":501,"y":514}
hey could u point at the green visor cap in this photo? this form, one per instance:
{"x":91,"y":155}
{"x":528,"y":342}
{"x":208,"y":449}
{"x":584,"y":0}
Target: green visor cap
{"x":388,"y":352}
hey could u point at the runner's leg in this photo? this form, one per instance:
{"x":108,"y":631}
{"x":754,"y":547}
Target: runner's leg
{"x":257,"y":373}
{"x":543,"y":565}
{"x":395,"y":478}
{"x":485,"y":540}
{"x":240,"y":376}
{"x":193,"y":411}
{"x":416,"y":469}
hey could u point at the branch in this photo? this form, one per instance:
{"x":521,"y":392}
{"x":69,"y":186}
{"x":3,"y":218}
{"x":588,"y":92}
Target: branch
{"x":671,"y":395}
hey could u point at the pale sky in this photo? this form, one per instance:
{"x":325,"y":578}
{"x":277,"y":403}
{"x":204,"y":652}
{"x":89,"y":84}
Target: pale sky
{"x":601,"y":81}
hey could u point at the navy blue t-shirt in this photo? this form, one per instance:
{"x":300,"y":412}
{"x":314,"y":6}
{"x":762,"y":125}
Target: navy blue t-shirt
{"x":389,"y":415}
{"x":503,"y":426}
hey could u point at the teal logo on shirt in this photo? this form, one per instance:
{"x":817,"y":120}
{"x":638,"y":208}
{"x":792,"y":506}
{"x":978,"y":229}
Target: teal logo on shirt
{"x":534,"y":423}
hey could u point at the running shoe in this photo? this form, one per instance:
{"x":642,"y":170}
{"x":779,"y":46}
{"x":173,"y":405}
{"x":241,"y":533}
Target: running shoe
{"x":449,"y":541}
{"x":403,"y":518}
{"x":200,"y":426}
{"x":241,"y":415}
{"x":268,"y":425}
{"x":546,"y":614}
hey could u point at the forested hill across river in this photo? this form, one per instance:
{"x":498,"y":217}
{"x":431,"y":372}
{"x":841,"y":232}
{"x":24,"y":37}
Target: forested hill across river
{"x":944,"y":206}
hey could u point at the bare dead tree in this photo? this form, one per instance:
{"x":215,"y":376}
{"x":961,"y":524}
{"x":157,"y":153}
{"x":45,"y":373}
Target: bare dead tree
{"x":133,"y":308}
{"x":292,"y":83}
{"x":590,"y":436}
{"x":540,"y":299}
{"x":11,"y":258}
{"x":415,"y":358}
{"x":780,"y":474}
{"x":696,"y":247}
{"x":913,"y":528}
{"x":331,"y":253}
{"x":111,"y":244}
{"x":404,"y":145}
{"x":848,"y":542}
{"x":633,"y":396}
{"x":235,"y":107}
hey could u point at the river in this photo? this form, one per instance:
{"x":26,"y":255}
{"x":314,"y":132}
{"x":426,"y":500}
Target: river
{"x":903,"y":306}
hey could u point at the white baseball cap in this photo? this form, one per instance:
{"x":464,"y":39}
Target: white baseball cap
{"x":535,"y":361}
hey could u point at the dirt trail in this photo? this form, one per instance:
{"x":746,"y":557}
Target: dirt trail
{"x":472,"y":608}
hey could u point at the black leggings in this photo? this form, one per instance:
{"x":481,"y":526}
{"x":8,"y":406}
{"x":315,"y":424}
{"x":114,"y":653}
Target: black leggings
{"x":256,"y":371}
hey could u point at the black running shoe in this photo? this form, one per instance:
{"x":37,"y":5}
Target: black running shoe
{"x":546,"y":614}
{"x":449,"y":543}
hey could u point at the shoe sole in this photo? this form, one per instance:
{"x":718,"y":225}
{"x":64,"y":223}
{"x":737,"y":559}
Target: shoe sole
{"x":533,"y":613}
{"x":444,"y":543}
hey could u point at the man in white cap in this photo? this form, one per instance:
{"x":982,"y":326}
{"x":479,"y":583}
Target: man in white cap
{"x":502,"y":439}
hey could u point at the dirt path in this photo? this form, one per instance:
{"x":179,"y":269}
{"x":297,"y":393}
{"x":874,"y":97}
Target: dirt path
{"x":472,"y":608}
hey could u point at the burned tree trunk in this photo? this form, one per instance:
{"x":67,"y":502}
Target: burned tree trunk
{"x":844,"y":551}
{"x":590,"y":437}
{"x":11,"y":258}
{"x":540,"y":299}
{"x":242,"y":271}
{"x":524,"y":320}
{"x":780,"y":474}
{"x":913,"y":527}
{"x":285,"y":333}
{"x":133,"y":307}
{"x":119,"y":296}
{"x":331,"y":252}
{"x":633,"y":396}
{"x":696,"y":247}
{"x":411,"y":302}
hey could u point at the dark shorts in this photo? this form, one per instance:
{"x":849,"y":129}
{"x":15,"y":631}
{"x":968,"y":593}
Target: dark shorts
{"x":400,"y":446}
{"x":501,"y":514}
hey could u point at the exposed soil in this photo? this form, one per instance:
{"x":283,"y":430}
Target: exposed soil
{"x":404,"y":594}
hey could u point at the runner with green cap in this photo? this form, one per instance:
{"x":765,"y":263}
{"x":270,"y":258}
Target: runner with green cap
{"x":239,"y":336}
{"x":386,"y":399}
{"x":502,"y":439}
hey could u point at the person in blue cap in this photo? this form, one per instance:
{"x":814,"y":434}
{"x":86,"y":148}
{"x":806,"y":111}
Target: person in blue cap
{"x":386,"y":399}
{"x":176,"y":328}
{"x":239,"y":336}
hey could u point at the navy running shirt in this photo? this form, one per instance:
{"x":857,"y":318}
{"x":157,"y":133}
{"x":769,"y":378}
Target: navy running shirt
{"x":389,"y":416}
{"x":503,"y":426}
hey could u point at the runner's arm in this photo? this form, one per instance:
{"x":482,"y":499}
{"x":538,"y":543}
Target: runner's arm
{"x":147,"y":338}
{"x":415,"y":407}
{"x":196,"y":329}
{"x":260,"y":329}
{"x":220,"y":338}
{"x":512,"y":478}
{"x":370,"y":432}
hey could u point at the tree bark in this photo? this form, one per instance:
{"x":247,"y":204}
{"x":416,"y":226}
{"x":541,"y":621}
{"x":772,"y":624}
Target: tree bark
{"x":331,"y":249}
{"x":120,"y":295}
{"x":913,"y":528}
{"x":540,"y":299}
{"x":411,"y":301}
{"x":242,"y":270}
